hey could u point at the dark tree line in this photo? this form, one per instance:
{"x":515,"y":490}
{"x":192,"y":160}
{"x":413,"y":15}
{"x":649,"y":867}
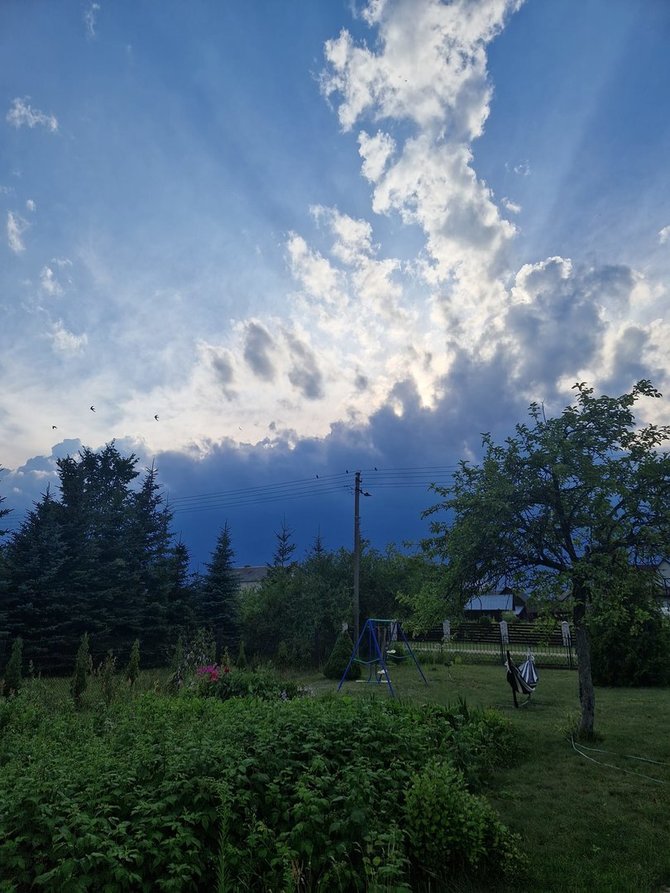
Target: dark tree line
{"x":101,"y":559}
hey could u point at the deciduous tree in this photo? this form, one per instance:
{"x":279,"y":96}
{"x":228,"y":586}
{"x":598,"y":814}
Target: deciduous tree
{"x":558,"y":507}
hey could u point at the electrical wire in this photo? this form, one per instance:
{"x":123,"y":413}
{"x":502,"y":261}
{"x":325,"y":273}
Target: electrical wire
{"x":409,"y":477}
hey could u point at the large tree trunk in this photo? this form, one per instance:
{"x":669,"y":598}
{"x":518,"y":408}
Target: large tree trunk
{"x":587,"y":696}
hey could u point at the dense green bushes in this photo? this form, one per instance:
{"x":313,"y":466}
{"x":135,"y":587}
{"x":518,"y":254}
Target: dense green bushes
{"x":630,"y":636}
{"x":184,"y":793}
{"x":339,"y":659}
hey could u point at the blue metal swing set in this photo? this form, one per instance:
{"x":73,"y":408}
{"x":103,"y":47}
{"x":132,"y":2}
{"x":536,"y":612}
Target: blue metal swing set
{"x":376,"y":652}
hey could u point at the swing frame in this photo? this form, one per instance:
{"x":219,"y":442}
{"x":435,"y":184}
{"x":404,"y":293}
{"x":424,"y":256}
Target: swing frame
{"x":370,"y":630}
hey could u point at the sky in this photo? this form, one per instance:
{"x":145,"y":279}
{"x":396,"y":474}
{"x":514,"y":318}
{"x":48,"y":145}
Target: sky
{"x":267,"y":244}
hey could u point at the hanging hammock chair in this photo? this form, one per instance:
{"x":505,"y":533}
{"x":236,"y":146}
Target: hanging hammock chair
{"x":522,"y":679}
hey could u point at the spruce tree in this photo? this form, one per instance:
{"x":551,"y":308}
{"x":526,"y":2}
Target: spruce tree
{"x":219,"y":596}
{"x":35,"y":592}
{"x":285,"y":546}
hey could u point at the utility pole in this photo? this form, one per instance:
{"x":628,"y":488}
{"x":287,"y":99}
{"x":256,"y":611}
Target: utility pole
{"x":357,"y":553}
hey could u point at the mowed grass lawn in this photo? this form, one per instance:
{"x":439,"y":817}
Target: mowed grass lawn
{"x":586,"y":826}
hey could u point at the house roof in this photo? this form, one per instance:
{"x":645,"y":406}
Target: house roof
{"x":250,"y":574}
{"x":493,"y":601}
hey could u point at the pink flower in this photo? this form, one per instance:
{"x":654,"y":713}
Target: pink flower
{"x":211,"y":672}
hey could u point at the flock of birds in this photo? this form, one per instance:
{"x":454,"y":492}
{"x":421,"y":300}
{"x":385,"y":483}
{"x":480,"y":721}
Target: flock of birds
{"x":92,"y":408}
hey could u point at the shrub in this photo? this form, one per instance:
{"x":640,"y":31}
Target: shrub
{"x":107,"y":680}
{"x":133,"y":668}
{"x":396,"y":652}
{"x":339,"y":658}
{"x":167,"y":793}
{"x":452,"y":830}
{"x":82,"y":668}
{"x":241,"y":661}
{"x":14,"y":669}
{"x":263,"y":683}
{"x":630,"y":637}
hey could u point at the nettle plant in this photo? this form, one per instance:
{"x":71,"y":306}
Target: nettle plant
{"x":224,"y":682}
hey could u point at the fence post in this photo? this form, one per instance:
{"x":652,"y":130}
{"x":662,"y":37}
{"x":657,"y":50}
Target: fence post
{"x":567,"y":640}
{"x":504,"y":639}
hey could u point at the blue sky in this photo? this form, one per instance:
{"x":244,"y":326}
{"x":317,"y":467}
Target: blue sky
{"x":320,"y":237}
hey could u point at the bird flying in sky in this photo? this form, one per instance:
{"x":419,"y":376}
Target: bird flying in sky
{"x":92,"y":408}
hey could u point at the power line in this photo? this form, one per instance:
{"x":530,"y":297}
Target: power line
{"x":409,"y":477}
{"x":377,"y":478}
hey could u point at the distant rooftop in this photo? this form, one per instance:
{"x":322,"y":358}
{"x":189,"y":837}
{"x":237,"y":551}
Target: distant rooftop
{"x":250,"y":574}
{"x":495,"y":601}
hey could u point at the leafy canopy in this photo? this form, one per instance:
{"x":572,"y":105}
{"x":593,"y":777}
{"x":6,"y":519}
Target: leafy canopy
{"x":560,"y":502}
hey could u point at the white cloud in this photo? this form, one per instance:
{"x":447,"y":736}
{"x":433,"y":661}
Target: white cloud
{"x":64,"y":341}
{"x":90,"y":16}
{"x":431,"y":67}
{"x":375,"y":152}
{"x":510,"y":206}
{"x":16,"y":226}
{"x":22,"y":114}
{"x":428,"y":70}
{"x":664,"y":235}
{"x":48,"y":282}
{"x":522,"y":169}
{"x":30,"y":205}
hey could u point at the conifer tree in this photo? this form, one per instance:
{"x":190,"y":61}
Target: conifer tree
{"x":285,"y":547}
{"x":339,"y":658}
{"x":35,"y":593}
{"x":219,"y":596}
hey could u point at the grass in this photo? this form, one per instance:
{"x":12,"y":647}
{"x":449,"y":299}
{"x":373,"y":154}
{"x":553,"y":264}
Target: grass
{"x":586,"y":826}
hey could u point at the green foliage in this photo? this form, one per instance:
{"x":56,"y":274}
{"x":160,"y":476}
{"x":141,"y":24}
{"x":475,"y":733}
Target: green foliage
{"x":14,"y":669}
{"x":100,"y":559}
{"x":184,"y":793}
{"x":263,"y":683}
{"x":301,"y":606}
{"x":563,"y":504}
{"x":453,"y":831}
{"x":196,"y":650}
{"x":339,"y":658}
{"x":396,"y":652}
{"x":241,"y":661}
{"x":107,"y":678}
{"x":82,"y":668}
{"x":630,"y":636}
{"x":282,"y":557}
{"x":133,"y":668}
{"x":218,"y":599}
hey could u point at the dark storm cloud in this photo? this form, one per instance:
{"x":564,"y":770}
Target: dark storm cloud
{"x":611,"y":285}
{"x":304,"y":373}
{"x":631,"y":362}
{"x":361,"y":382}
{"x":403,"y":433}
{"x":560,"y":330}
{"x":258,"y":344}
{"x":222,"y":366}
